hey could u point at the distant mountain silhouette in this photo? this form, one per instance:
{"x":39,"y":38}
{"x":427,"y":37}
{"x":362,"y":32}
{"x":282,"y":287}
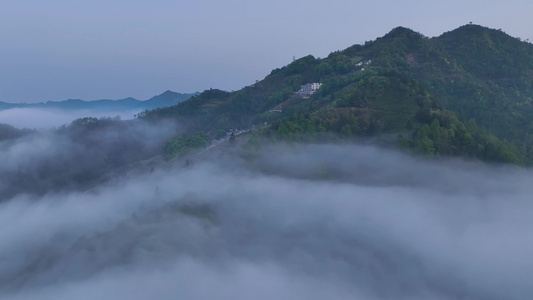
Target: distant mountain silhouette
{"x":167,"y":98}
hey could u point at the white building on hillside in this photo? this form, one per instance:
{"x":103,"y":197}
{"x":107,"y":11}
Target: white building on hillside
{"x":309,"y":89}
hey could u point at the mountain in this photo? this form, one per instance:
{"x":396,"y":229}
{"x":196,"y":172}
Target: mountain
{"x":468,"y":92}
{"x":5,"y":105}
{"x":168,"y":98}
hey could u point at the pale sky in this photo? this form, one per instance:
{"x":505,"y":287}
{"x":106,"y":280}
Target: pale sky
{"x":112,"y":49}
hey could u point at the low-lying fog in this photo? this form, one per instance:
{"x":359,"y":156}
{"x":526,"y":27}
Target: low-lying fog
{"x":288,"y":222}
{"x":41,"y":118}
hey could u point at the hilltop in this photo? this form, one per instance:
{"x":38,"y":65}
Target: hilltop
{"x":467,"y":92}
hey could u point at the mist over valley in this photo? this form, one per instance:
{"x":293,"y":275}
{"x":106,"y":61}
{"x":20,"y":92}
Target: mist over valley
{"x":337,"y":221}
{"x":52,"y":114}
{"x":395,"y":169}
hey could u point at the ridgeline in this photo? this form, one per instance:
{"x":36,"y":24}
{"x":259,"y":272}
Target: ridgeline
{"x":467,"y":93}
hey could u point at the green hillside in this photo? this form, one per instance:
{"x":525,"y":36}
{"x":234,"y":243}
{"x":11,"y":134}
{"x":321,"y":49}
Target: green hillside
{"x":467,"y":92}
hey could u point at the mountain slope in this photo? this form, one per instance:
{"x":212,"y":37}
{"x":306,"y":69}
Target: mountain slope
{"x":467,"y":92}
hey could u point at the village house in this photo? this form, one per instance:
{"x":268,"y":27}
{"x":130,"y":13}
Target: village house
{"x":308,"y":89}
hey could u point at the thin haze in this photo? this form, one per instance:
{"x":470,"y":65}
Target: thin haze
{"x":55,"y":50}
{"x":35,"y":118}
{"x":305,"y":222}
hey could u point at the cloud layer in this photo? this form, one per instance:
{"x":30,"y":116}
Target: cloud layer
{"x":300,"y":222}
{"x":78,"y":156}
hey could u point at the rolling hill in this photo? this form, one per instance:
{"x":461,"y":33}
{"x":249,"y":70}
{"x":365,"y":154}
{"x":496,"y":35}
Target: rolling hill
{"x":467,"y":93}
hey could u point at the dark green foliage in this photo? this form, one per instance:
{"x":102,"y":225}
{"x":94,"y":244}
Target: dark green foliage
{"x":340,"y":63}
{"x":479,"y":73}
{"x":298,"y":128}
{"x":179,"y":145}
{"x":300,"y":65}
{"x":453,"y":137}
{"x":324,"y":68}
{"x":418,"y":89}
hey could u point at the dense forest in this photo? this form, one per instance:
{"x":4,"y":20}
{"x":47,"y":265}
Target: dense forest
{"x":467,"y":93}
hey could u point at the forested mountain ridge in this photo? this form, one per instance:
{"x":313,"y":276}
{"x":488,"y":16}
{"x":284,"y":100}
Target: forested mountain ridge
{"x":467,"y":92}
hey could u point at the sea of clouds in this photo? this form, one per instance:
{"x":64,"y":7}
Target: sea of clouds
{"x":285,"y":222}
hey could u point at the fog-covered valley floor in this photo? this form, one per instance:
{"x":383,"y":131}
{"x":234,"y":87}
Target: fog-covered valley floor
{"x":286,"y":222}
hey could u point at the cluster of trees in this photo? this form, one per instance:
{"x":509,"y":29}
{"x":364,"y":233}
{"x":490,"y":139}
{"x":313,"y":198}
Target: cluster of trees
{"x":447,"y":135}
{"x":179,"y":146}
{"x":317,"y":128}
{"x":337,"y":63}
